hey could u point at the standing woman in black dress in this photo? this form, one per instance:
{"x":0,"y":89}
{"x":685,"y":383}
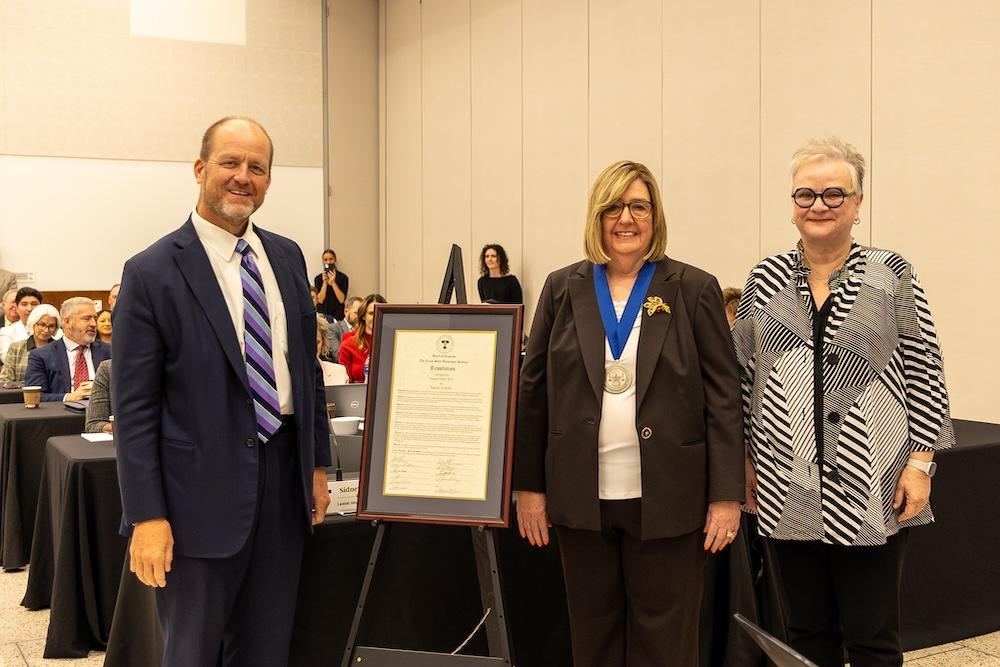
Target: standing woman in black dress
{"x":497,"y":285}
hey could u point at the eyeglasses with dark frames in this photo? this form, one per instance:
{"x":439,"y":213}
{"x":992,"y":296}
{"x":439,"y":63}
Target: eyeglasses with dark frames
{"x":832,"y":197}
{"x":640,"y":209}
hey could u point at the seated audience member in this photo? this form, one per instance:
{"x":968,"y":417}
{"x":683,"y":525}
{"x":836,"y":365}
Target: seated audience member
{"x":340,"y":328}
{"x":65,"y":369}
{"x":27,"y":298}
{"x":355,"y":347}
{"x":332,"y":373}
{"x":43,"y":324}
{"x":350,"y":320}
{"x":313,"y":293}
{"x":497,"y":284}
{"x":731,"y":300}
{"x":10,"y":308}
{"x":8,"y":281}
{"x":113,"y":295}
{"x":99,"y":408}
{"x":331,"y":288}
{"x":104,"y":326}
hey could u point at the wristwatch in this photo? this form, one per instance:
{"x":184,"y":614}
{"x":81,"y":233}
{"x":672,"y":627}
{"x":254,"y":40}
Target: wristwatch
{"x":926,"y":467}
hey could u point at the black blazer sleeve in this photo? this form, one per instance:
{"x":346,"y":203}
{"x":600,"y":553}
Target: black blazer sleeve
{"x":532,"y":401}
{"x":723,"y":406}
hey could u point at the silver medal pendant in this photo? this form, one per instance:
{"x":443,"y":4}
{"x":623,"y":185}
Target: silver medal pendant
{"x":617,"y":378}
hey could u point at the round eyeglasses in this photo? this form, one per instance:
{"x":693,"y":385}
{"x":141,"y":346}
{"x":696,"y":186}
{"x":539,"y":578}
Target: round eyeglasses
{"x":640,"y":209}
{"x":832,"y":197}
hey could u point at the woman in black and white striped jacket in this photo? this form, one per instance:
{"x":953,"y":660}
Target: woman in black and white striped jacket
{"x":844,"y":405}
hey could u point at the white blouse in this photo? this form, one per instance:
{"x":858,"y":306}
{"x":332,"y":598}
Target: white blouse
{"x":619,"y":470}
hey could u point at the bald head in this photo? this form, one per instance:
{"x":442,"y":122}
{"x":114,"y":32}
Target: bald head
{"x":209,"y":136}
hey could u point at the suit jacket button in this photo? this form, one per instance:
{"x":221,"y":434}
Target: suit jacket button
{"x":833,"y":417}
{"x":646,"y":433}
{"x":589,"y":421}
{"x":249,"y":401}
{"x":251,"y":442}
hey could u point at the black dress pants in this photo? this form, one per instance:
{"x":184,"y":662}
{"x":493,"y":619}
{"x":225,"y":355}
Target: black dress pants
{"x":239,"y":610}
{"x":632,"y":602}
{"x":839,"y":597}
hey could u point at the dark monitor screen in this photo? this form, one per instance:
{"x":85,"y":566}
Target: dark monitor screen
{"x":780,"y":653}
{"x":454,"y":278}
{"x":349,"y":399}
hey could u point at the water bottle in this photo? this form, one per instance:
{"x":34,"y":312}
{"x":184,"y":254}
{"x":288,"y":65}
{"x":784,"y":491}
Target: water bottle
{"x":367,"y":360}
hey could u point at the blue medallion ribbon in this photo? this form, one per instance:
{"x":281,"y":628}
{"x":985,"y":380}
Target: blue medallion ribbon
{"x":618,"y":331}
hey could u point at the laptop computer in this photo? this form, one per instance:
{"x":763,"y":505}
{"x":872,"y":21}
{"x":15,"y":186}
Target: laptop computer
{"x":780,"y":653}
{"x":349,"y":399}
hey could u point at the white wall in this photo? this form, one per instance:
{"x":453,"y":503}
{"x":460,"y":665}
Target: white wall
{"x":353,"y":150}
{"x":498,"y":114}
{"x":73,"y":222}
{"x":99,"y":125}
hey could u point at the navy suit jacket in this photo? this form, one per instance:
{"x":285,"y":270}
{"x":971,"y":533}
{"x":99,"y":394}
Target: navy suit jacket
{"x":185,"y":428}
{"x":48,"y":368}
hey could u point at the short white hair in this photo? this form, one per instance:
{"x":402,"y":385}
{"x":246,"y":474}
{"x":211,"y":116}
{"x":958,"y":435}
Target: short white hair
{"x":832,"y":148}
{"x":9,"y":294}
{"x":40,"y":311}
{"x":70,"y":305}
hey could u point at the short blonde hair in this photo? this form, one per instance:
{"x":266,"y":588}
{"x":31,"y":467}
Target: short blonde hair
{"x":323,"y":331}
{"x":832,"y":148}
{"x":609,"y":187}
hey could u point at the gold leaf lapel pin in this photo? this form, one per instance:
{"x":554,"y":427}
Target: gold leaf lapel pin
{"x":654,"y":304}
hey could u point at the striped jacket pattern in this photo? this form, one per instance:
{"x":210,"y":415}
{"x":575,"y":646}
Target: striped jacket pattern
{"x":883,"y":395}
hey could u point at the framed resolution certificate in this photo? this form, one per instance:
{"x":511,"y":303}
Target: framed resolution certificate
{"x":439,"y":427}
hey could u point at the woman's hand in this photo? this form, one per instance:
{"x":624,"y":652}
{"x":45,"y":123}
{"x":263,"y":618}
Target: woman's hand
{"x":721,"y":524}
{"x":532,"y":519}
{"x":915,"y":488}
{"x":751,"y":484}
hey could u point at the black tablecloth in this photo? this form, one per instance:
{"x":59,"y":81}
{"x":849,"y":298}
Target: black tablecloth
{"x":425,"y":596}
{"x":11,"y":396}
{"x":951,"y":572}
{"x":23,"y":434}
{"x":951,"y":578}
{"x":76,"y":552}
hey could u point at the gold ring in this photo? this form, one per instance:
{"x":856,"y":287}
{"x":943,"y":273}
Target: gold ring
{"x":730,"y":534}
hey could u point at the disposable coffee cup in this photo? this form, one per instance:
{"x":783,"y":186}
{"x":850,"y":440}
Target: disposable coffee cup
{"x":32,"y":396}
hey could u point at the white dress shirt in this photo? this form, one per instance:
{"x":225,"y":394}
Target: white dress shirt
{"x":220,"y":246}
{"x":71,"y":348}
{"x":12,"y":334}
{"x":334,"y":374}
{"x":619,"y":469}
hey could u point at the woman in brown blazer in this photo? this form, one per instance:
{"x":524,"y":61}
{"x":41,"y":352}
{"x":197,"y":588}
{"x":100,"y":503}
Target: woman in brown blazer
{"x":629,"y":436}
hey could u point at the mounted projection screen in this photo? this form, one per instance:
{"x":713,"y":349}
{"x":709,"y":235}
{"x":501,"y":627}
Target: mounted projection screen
{"x":219,"y":21}
{"x":73,"y":222}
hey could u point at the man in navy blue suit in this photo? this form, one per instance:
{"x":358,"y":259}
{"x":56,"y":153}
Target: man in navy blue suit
{"x":220,"y":415}
{"x":65,"y":368}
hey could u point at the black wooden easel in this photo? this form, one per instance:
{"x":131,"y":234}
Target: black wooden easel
{"x":487,"y":569}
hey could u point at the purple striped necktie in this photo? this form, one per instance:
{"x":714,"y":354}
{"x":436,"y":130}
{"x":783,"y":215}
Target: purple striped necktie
{"x":257,"y":346}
